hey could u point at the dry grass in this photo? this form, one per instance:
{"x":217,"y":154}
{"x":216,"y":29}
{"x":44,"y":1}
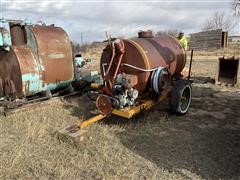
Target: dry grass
{"x":155,"y":145}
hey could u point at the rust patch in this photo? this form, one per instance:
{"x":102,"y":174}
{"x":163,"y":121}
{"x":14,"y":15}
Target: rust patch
{"x":26,"y":59}
{"x":10,"y":71}
{"x":17,"y":34}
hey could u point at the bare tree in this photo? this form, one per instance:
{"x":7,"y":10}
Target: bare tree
{"x":219,"y":20}
{"x":169,"y":32}
{"x":236,"y":7}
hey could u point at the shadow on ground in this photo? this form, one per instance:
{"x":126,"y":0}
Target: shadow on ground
{"x":205,"y":142}
{"x":203,"y":79}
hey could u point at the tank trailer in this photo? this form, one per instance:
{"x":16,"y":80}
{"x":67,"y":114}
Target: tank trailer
{"x":137,"y":74}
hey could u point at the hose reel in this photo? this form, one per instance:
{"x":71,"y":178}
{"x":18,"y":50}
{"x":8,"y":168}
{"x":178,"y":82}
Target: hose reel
{"x":160,"y":80}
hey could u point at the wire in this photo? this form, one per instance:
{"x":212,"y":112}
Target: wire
{"x":138,"y":68}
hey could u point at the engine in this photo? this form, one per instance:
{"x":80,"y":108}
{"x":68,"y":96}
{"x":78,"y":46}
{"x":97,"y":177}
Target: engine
{"x":123,"y":91}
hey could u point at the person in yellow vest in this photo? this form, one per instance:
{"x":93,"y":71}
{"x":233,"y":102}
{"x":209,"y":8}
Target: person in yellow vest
{"x":183,"y":40}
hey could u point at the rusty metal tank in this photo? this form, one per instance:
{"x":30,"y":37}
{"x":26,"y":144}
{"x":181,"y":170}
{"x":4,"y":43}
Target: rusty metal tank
{"x":147,"y":52}
{"x":39,"y":61}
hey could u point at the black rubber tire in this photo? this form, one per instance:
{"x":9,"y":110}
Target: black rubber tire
{"x":181,"y":89}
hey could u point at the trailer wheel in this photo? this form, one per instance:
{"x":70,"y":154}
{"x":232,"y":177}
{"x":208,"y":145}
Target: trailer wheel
{"x":181,"y":97}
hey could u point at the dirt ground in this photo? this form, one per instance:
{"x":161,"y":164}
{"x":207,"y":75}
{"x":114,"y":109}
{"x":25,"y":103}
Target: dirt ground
{"x":203,"y":144}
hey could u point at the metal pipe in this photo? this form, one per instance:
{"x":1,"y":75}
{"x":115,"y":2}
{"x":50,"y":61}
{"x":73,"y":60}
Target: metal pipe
{"x":190,"y":66}
{"x":119,"y":61}
{"x":91,"y":121}
{"x":111,"y":61}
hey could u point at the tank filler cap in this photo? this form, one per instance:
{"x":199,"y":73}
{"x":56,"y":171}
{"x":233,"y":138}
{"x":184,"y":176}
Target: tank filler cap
{"x":145,"y":34}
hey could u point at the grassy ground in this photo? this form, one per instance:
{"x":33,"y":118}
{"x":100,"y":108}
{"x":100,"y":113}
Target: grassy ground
{"x":203,"y":144}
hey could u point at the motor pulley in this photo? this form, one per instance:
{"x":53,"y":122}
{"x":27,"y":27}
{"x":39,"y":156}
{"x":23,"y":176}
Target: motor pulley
{"x":104,"y":104}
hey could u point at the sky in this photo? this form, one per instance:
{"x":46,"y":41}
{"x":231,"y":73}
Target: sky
{"x":119,"y":18}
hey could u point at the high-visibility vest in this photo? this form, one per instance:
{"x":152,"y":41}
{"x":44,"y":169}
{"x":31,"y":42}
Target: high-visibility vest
{"x":184,"y":42}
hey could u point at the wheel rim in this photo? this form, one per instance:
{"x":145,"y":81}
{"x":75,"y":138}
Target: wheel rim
{"x":185,"y":99}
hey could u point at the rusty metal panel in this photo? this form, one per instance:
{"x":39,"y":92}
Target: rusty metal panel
{"x":10,"y":73}
{"x":227,"y":70}
{"x":54,"y":53}
{"x":17,"y":34}
{"x":30,"y":70}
